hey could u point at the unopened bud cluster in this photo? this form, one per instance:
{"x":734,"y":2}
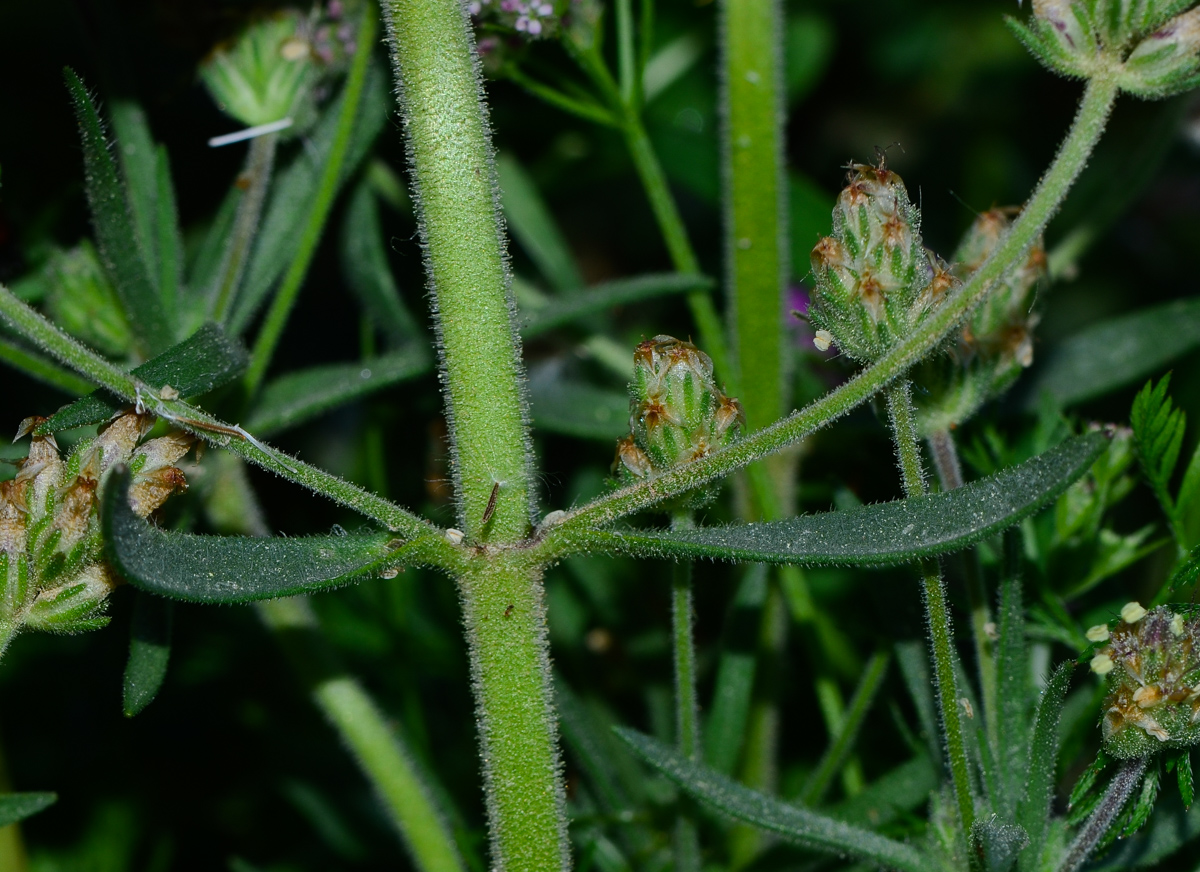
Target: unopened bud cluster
{"x":995,"y":344}
{"x":677,"y":414}
{"x":1150,"y":47}
{"x":1152,"y":662}
{"x":271,"y":70}
{"x":875,"y":281}
{"x":52,"y":573}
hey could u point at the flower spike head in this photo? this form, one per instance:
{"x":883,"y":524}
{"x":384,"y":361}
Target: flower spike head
{"x":677,"y":414}
{"x":1150,"y":47}
{"x":53,"y":575}
{"x":875,"y":281}
{"x":1152,"y":663}
{"x":995,"y":345}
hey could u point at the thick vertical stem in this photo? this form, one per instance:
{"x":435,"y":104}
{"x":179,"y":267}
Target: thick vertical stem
{"x":505,"y":616}
{"x":458,"y":206}
{"x":687,"y":710}
{"x":752,"y":170}
{"x":908,"y":455}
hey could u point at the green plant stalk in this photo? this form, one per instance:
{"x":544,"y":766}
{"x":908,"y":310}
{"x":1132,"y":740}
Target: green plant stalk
{"x":754,"y":203}
{"x":461,"y":227}
{"x":1089,"y":123}
{"x":378,"y":750}
{"x":39,"y":330}
{"x":257,"y":176}
{"x":908,"y":453}
{"x":670,"y":224}
{"x":505,"y":616}
{"x":687,"y":709}
{"x":441,"y":102}
{"x":949,"y":472}
{"x":281,"y":306}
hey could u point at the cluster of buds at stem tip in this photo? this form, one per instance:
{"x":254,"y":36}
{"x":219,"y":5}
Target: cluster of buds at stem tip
{"x":270,"y":73}
{"x":995,"y":344}
{"x":875,"y":281}
{"x":1150,"y":48}
{"x":1152,"y":663}
{"x":53,"y":576}
{"x":677,"y":414}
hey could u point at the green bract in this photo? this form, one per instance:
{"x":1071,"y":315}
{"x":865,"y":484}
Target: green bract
{"x":875,"y":281}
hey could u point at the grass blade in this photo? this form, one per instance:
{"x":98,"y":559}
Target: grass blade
{"x":609,"y":295}
{"x":365,"y":263}
{"x":1012,"y":691}
{"x":802,"y":826}
{"x":532,"y":225}
{"x":116,"y":236}
{"x":887,"y":534}
{"x":301,"y":396}
{"x":208,"y":359}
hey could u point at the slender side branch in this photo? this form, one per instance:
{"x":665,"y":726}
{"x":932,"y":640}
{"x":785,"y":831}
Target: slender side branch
{"x":1119,"y":790}
{"x":1072,"y":156}
{"x":908,"y":451}
{"x":257,"y":174}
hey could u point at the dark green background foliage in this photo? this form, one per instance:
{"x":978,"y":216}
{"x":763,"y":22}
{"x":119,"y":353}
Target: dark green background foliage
{"x":232,"y":760}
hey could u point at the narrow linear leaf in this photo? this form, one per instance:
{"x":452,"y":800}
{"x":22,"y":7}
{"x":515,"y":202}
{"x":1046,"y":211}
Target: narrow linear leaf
{"x":1012,"y":694}
{"x":205,"y":360}
{"x":170,"y":240}
{"x":365,"y":263}
{"x":1187,"y":501}
{"x":881,"y":535}
{"x":802,"y":826}
{"x":295,"y":188}
{"x":18,"y":806}
{"x":530,"y":222}
{"x":1186,"y":575}
{"x":138,"y":161}
{"x":600,"y":298}
{"x":202,"y":272}
{"x":897,"y":792}
{"x":1116,"y":353}
{"x":149,"y":651}
{"x":1033,"y":810}
{"x":115,"y":234}
{"x":576,"y":408}
{"x":300,"y":396}
{"x":229,"y":569}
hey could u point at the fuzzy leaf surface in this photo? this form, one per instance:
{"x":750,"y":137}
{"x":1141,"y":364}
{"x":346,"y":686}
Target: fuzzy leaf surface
{"x":798,"y":825}
{"x":229,"y":569}
{"x":18,"y":806}
{"x":1115,"y":353}
{"x":299,"y":396}
{"x":116,"y":236}
{"x":149,"y":651}
{"x":886,"y":534}
{"x":206,"y":360}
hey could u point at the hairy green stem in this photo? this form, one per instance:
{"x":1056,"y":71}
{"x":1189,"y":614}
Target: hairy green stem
{"x":908,"y":455}
{"x":70,"y":351}
{"x":1072,"y":156}
{"x":949,"y":472}
{"x":257,"y":178}
{"x":454,"y":186}
{"x":378,"y":749}
{"x":289,"y":289}
{"x":1119,"y":790}
{"x":687,"y":709}
{"x":755,"y":206}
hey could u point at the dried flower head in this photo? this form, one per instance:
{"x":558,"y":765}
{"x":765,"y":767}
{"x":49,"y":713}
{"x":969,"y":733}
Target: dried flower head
{"x":53,"y":575}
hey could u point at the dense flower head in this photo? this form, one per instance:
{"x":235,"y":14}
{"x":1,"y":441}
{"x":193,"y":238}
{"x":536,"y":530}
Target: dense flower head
{"x":1152,"y":662}
{"x":875,"y":281}
{"x":995,"y":344}
{"x":677,"y":414}
{"x":52,"y":572}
